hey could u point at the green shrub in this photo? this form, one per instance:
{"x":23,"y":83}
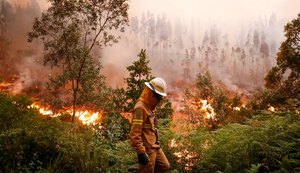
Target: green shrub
{"x":266,"y":143}
{"x":13,"y":110}
{"x":30,"y":142}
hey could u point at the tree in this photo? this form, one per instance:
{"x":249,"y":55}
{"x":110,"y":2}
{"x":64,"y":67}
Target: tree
{"x":3,"y":41}
{"x":186,"y":65}
{"x":204,"y":85}
{"x":196,"y":101}
{"x":210,"y":105}
{"x":285,"y":76}
{"x":139,"y":73}
{"x":70,"y":31}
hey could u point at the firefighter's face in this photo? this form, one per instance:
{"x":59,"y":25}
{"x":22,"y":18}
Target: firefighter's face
{"x":150,"y":97}
{"x":157,"y":96}
{"x":154,"y":99}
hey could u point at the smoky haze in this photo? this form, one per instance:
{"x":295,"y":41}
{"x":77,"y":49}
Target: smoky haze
{"x":20,"y":62}
{"x":235,"y":40}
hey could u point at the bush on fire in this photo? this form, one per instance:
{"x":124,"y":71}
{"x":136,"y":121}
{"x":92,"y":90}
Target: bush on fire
{"x":30,"y":142}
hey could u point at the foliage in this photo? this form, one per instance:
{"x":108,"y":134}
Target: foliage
{"x":204,"y":85}
{"x":264,"y":99}
{"x":70,"y":30}
{"x":139,"y":73}
{"x":164,"y":109}
{"x":166,"y":135}
{"x":223,"y":106}
{"x":223,"y":149}
{"x":284,"y":77}
{"x":12,"y":110}
{"x":30,"y":142}
{"x":118,"y":100}
{"x":115,"y":127}
{"x":266,"y":143}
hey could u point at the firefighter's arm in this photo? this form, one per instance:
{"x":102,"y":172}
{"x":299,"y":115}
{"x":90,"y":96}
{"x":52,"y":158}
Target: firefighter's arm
{"x":136,"y":131}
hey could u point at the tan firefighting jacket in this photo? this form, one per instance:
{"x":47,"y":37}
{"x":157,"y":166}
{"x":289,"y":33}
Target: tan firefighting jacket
{"x":143,"y":134}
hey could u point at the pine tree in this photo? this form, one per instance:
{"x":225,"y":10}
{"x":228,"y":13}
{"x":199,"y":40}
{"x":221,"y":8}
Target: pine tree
{"x":139,"y":73}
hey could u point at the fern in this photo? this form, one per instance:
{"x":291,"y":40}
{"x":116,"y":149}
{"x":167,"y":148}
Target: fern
{"x":254,"y":168}
{"x":266,"y":143}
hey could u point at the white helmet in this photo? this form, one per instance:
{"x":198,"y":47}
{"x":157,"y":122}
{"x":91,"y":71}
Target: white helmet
{"x":157,"y":85}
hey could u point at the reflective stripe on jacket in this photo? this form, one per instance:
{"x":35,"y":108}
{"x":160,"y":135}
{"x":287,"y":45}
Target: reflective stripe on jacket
{"x":143,"y":131}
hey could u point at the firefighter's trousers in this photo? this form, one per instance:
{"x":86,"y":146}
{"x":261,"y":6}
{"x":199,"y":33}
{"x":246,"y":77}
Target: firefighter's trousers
{"x":158,"y":162}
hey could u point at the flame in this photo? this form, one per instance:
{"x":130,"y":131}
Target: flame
{"x":183,"y":154}
{"x":202,"y":106}
{"x":173,"y":143}
{"x":5,"y":86}
{"x":209,"y":111}
{"x":272,"y":109}
{"x":236,"y":108}
{"x":86,"y":117}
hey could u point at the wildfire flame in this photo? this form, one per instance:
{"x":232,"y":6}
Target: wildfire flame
{"x":209,"y":111}
{"x":5,"y":86}
{"x":272,"y":109}
{"x":86,"y":117}
{"x":183,"y":154}
{"x":236,"y":108}
{"x":202,"y":106}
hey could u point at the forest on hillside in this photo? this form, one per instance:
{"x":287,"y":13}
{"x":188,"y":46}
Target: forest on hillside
{"x":70,"y":120}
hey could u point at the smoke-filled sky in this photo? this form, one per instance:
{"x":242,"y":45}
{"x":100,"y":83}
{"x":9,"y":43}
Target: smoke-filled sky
{"x":223,"y":10}
{"x":229,"y":17}
{"x":231,"y":14}
{"x":218,"y":10}
{"x":232,"y":18}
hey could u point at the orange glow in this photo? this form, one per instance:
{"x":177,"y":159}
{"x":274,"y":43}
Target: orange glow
{"x":183,"y":155}
{"x":173,"y":143}
{"x":202,"y":106}
{"x":209,"y":111}
{"x":86,"y":117}
{"x":5,"y":86}
{"x":236,"y":108}
{"x":272,"y":109}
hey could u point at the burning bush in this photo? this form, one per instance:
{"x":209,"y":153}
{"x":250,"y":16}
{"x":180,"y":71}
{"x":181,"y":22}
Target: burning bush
{"x":31,"y":142}
{"x":209,"y":105}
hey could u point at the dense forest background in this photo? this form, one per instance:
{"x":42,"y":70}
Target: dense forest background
{"x":233,"y":103}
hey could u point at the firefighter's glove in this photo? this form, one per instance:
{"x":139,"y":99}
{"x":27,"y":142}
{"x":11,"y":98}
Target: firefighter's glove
{"x":143,"y":158}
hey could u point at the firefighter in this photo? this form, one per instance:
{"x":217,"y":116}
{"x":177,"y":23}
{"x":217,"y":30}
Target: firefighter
{"x":143,"y":133}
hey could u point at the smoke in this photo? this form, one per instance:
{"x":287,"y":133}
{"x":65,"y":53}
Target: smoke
{"x":43,"y":4}
{"x":236,"y":41}
{"x":23,"y":82}
{"x":17,"y":56}
{"x":31,"y":74}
